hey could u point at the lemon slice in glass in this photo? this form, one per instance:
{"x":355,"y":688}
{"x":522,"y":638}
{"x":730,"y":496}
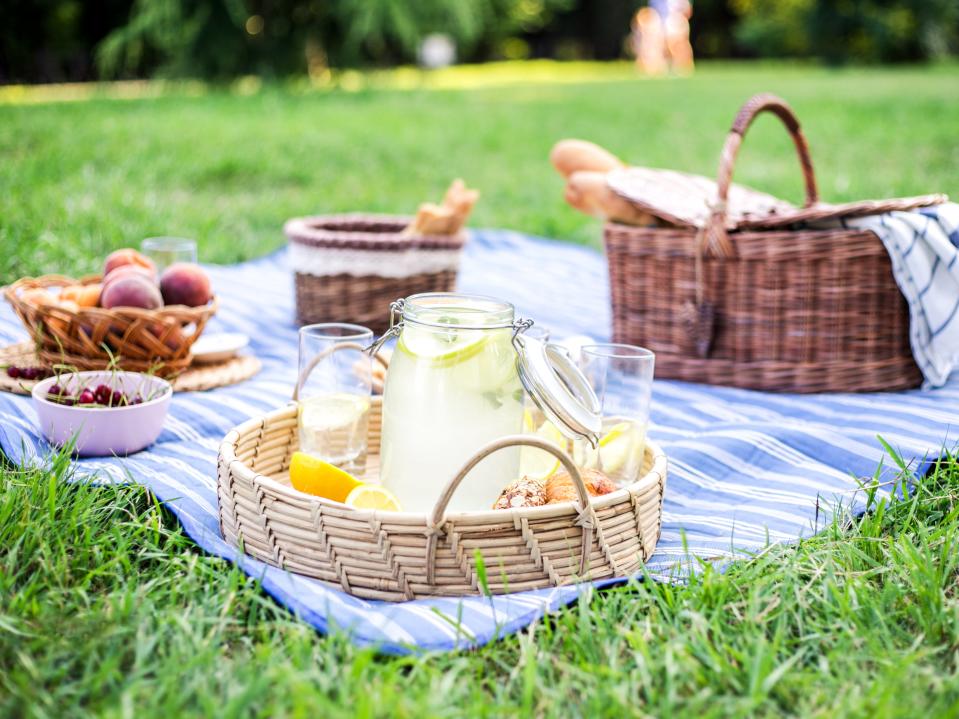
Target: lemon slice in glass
{"x":373,"y":496}
{"x":616,"y":447}
{"x":537,"y":463}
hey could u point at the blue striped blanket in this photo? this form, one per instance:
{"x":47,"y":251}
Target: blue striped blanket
{"x":746,"y":468}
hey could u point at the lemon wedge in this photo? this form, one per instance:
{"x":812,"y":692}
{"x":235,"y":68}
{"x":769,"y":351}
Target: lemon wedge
{"x":314,"y":476}
{"x":537,"y":463}
{"x":373,"y":496}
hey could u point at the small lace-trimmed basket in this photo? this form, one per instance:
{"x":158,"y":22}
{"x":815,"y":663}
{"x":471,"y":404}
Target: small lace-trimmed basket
{"x":398,"y":556}
{"x":348,"y":267}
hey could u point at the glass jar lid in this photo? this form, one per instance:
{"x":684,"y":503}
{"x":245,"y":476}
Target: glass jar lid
{"x":558,"y":387}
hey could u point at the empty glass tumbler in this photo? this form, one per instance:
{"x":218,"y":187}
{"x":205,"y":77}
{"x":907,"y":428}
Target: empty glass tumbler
{"x":165,"y":251}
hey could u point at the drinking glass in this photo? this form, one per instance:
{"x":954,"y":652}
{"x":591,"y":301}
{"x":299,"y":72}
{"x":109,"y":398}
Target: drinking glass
{"x":333,"y":391}
{"x":164,"y":251}
{"x":538,"y":332}
{"x":622,"y":377}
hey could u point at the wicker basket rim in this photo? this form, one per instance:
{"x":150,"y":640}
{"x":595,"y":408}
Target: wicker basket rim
{"x":227,"y":446}
{"x":322,"y":230}
{"x":92,"y":313}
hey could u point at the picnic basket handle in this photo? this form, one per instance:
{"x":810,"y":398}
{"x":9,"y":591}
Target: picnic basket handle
{"x":716,"y":238}
{"x":438,"y":515}
{"x":302,"y":377}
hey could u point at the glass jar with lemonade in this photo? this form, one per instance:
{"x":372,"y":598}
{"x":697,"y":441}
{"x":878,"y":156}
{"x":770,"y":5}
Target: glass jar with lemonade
{"x":452,"y":387}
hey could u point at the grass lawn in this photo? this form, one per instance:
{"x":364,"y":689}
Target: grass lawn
{"x":107,"y":608}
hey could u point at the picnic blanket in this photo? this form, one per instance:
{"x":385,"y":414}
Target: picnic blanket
{"x":924,"y":249}
{"x":745,"y":468}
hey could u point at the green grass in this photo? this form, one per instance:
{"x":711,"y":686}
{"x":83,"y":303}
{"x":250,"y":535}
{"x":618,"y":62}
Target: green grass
{"x":106,"y":607}
{"x":79,"y":178}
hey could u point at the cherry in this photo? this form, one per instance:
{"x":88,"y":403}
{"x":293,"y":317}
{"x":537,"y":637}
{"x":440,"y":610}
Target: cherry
{"x":86,"y":397}
{"x":13,"y":372}
{"x":103,"y":394}
{"x":117,"y":398}
{"x":137,"y":400}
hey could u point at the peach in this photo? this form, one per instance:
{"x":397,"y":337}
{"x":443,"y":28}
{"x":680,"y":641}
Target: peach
{"x":131,"y":291}
{"x":127,"y":256}
{"x":184,"y":283}
{"x":83,"y":295}
{"x":126,"y":271}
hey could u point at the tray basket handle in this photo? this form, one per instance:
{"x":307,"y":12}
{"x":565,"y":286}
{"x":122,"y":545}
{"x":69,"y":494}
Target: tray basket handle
{"x":437,"y":517}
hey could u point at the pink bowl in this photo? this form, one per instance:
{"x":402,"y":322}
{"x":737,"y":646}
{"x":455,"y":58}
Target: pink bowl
{"x":104,"y":431}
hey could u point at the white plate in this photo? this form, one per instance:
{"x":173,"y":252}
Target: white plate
{"x":218,"y":347}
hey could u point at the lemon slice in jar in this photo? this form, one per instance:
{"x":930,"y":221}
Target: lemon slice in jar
{"x":537,"y":463}
{"x":441,"y":347}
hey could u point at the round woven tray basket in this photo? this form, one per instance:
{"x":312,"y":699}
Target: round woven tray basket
{"x":347,"y":268}
{"x":398,"y":556}
{"x":93,"y":338}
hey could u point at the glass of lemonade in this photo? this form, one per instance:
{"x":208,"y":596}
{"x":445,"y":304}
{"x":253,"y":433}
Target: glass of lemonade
{"x":451,"y":388}
{"x":622,"y":377}
{"x":333,"y":390}
{"x":165,"y":251}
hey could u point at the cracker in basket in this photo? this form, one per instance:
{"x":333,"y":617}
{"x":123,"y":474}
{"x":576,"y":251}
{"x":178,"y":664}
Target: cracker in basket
{"x":447,"y":218}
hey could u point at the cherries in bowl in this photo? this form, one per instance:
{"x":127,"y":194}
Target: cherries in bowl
{"x":108,"y":412}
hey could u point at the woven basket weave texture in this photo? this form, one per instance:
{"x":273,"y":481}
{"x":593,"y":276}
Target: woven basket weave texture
{"x":797,"y":310}
{"x":349,"y":268}
{"x":92,"y":338}
{"x":400,"y":556}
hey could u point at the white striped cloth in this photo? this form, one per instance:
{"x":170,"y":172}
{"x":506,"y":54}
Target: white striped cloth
{"x":924,"y":249}
{"x":746,"y":468}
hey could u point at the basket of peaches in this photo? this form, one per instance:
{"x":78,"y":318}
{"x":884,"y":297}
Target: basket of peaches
{"x":129,"y":317}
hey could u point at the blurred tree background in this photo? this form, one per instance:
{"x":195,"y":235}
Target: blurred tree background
{"x":63,"y":40}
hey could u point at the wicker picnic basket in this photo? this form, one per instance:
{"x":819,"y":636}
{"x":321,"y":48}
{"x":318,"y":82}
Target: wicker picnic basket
{"x":348,"y":267}
{"x":92,"y":338}
{"x":397,"y":556}
{"x":742,"y":290}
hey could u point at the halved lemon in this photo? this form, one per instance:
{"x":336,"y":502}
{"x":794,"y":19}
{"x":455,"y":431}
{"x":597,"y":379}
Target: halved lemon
{"x":373,"y":496}
{"x":538,"y":463}
{"x":314,"y":476}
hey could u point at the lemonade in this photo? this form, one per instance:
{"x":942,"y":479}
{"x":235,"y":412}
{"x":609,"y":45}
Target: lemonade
{"x":620,"y":453}
{"x":452,"y":387}
{"x":333,"y":428}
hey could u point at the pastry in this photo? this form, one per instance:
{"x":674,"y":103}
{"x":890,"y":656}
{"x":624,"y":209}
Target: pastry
{"x":524,"y":492}
{"x":560,"y":487}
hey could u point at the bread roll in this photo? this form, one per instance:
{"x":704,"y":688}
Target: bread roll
{"x":589,"y":193}
{"x":569,"y":156}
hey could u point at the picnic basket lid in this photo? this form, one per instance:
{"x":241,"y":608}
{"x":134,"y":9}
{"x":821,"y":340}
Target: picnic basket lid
{"x":693,"y":201}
